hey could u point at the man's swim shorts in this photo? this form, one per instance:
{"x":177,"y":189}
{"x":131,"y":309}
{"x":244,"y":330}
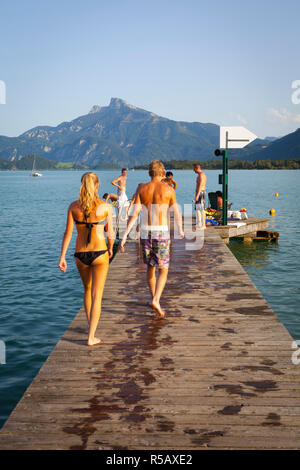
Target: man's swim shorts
{"x":156,"y":248}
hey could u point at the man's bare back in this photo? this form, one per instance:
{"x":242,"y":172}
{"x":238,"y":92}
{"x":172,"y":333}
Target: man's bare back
{"x":156,"y":198}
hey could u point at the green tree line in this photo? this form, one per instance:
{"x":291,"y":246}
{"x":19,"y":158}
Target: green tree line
{"x":43,"y":163}
{"x":288,"y":164}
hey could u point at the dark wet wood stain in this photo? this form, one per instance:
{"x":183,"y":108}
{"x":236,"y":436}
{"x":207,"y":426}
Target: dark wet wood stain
{"x":230,"y":410}
{"x":273,"y":419}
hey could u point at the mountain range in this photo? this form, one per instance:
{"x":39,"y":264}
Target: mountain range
{"x":124,"y":135}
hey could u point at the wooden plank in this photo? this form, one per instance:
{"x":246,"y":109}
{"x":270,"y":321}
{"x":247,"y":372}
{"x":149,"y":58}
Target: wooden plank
{"x":252,"y":225}
{"x":215,"y":373}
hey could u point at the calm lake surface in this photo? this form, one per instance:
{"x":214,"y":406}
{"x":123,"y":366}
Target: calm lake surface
{"x":37,"y":301}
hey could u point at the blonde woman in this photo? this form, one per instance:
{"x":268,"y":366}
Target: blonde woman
{"x":91,"y":216}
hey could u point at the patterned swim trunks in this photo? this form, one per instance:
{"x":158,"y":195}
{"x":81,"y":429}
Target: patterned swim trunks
{"x":156,"y":248}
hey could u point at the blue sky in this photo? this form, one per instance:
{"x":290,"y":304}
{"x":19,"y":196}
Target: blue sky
{"x":228,"y":62}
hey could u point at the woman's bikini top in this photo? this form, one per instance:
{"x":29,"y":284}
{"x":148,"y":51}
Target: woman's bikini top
{"x":89,"y":226}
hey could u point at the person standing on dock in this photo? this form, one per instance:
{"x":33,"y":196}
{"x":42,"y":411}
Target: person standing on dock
{"x":91,"y":254}
{"x":120,"y":183}
{"x":155,"y":199}
{"x":200,"y":197}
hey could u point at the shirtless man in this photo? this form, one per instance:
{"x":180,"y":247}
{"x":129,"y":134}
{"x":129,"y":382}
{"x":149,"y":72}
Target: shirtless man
{"x":200,"y":197}
{"x":155,"y":200}
{"x":120,"y":183}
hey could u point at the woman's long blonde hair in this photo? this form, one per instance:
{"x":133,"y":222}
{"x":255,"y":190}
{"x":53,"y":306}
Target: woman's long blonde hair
{"x":88,"y":195}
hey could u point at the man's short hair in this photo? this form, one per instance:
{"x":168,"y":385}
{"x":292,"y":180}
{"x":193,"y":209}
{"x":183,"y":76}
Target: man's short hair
{"x":196,"y":165}
{"x":156,"y":168}
{"x":124,"y":169}
{"x":104,"y":195}
{"x":169,"y":173}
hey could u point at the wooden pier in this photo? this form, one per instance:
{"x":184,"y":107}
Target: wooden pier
{"x":246,"y":229}
{"x":216,"y":373}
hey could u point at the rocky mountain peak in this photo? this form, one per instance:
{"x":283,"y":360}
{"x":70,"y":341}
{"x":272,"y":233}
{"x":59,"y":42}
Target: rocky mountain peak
{"x":95,"y":109}
{"x":118,"y":103}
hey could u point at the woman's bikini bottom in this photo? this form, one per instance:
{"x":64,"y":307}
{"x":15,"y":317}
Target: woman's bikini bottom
{"x":87,"y":257}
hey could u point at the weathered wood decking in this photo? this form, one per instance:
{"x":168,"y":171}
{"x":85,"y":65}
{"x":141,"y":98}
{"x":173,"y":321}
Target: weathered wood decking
{"x":215,"y":373}
{"x":249,"y":227}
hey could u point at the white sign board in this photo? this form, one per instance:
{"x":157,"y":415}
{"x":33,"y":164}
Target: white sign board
{"x":238,"y":137}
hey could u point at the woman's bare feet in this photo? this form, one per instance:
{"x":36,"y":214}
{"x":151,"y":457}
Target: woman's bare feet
{"x":157,"y":307}
{"x":94,"y":341}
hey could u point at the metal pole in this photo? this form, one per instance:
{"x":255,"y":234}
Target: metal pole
{"x":225,"y":184}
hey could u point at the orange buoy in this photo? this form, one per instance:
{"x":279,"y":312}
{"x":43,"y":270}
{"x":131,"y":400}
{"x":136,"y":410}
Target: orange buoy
{"x":276,"y":194}
{"x":272,"y":211}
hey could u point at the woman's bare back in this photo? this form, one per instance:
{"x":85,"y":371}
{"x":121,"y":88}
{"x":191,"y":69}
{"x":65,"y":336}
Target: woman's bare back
{"x":97,"y":238}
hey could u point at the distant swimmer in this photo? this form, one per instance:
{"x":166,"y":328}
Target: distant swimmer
{"x":120,"y":183}
{"x":91,"y":216}
{"x":169,"y":180}
{"x":155,"y":199}
{"x":200,"y":197}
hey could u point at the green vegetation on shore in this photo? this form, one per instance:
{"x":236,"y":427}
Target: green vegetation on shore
{"x":43,"y":163}
{"x":289,"y":164}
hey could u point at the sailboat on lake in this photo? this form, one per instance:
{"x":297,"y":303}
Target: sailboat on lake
{"x":34,"y":172}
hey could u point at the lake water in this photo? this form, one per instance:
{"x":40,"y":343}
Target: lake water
{"x":37,"y":301}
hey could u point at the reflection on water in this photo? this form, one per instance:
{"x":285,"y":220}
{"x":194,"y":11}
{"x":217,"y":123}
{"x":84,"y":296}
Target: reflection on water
{"x":274,"y":269}
{"x":256,"y":254}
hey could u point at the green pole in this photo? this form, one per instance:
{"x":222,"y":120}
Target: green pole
{"x":225,"y":188}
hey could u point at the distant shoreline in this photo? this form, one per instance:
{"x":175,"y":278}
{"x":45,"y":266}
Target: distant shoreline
{"x":283,"y":164}
{"x":45,"y":164}
{"x":144,"y":169}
